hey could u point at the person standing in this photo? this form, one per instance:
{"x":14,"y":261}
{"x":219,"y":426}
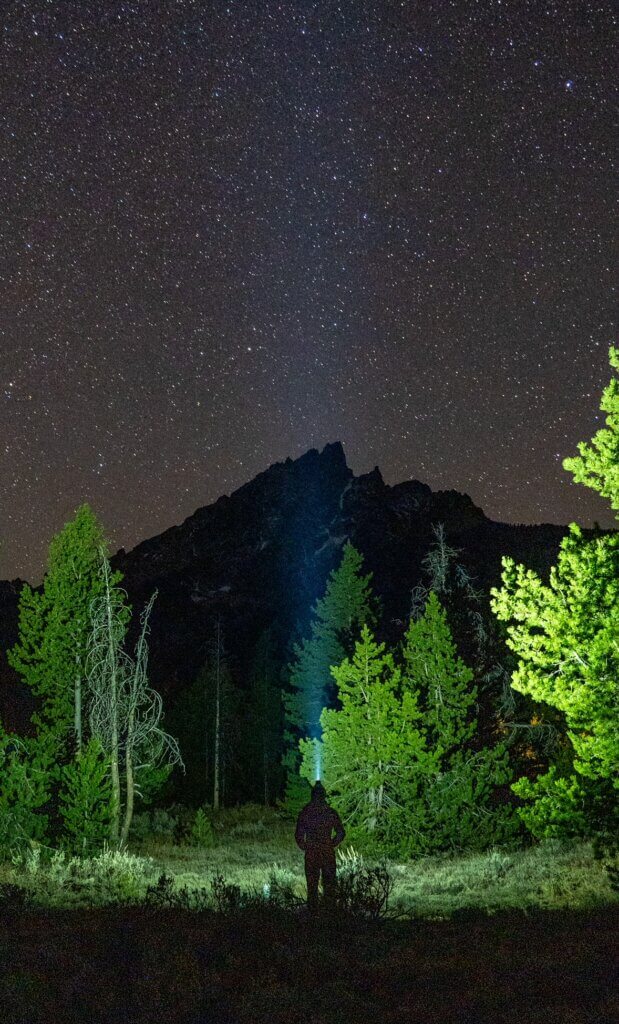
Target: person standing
{"x":316,"y":823}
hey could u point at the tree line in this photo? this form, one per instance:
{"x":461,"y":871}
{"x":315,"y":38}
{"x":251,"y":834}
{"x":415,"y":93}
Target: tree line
{"x":486,"y":717}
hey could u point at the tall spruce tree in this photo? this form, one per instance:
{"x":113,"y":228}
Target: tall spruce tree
{"x":564,"y":634}
{"x":460,"y":791}
{"x":54,"y":627}
{"x":372,"y":753}
{"x":399,"y":756}
{"x":263,"y":722}
{"x":337,"y":618}
{"x":205,"y":718}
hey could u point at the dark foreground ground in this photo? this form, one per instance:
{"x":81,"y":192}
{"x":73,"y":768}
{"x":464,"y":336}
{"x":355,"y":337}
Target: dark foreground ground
{"x":174,"y":966}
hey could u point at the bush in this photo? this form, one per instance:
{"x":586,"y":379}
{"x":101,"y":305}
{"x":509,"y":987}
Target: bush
{"x":164,"y":893}
{"x":201,"y":833}
{"x":25,"y":771}
{"x":245,"y":820}
{"x":12,"y":897}
{"x":363,"y":892}
{"x":111,"y":877}
{"x":228,"y":899}
{"x":161,"y":824}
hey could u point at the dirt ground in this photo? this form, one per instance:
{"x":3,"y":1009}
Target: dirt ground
{"x":139,"y":966}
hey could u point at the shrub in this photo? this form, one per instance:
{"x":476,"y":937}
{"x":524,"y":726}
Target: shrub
{"x":201,"y":833}
{"x":25,"y":772}
{"x":111,"y":877}
{"x":228,"y":899}
{"x":12,"y":897}
{"x":163,"y":893}
{"x":363,"y":892}
{"x":160,"y":823}
{"x":85,"y":800}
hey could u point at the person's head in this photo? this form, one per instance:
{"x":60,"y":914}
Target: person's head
{"x":318,"y":791}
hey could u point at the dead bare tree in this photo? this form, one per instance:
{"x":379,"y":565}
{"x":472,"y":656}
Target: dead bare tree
{"x":125,"y":712}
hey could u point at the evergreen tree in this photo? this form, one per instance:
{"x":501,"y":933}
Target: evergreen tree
{"x":86,"y":801}
{"x":459,"y":791}
{"x":263,"y":722}
{"x":337,"y":617}
{"x":565,"y":636}
{"x":25,"y":790}
{"x":205,"y":719}
{"x":400,"y":756}
{"x":597,"y":465}
{"x":372,"y":752}
{"x":54,"y":626}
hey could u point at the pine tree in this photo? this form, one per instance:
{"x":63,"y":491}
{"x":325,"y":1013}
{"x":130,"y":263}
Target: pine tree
{"x":86,"y":801}
{"x":372,"y":752}
{"x":25,"y":765}
{"x":337,"y":617}
{"x":458,"y":792}
{"x":565,"y":636}
{"x":54,"y":626}
{"x":263,"y":722}
{"x":205,"y":719}
{"x":597,"y":465}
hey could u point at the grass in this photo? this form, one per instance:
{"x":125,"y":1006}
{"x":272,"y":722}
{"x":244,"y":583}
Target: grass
{"x":250,"y":853}
{"x":505,"y":937}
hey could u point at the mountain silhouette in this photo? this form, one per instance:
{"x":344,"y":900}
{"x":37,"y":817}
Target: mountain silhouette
{"x":260,"y":557}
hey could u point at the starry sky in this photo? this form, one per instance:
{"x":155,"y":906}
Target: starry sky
{"x":233,"y":231}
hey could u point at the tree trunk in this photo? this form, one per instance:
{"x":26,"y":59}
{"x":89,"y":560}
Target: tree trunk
{"x":129,"y":795}
{"x":115,"y":772}
{"x":77,"y":714}
{"x":217,"y":745}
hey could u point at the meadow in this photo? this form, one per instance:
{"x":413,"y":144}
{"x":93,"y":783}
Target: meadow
{"x":503,"y":936}
{"x":252,"y":848}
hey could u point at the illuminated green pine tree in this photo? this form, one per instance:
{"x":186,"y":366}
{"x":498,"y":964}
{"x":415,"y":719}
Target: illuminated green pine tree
{"x":564,"y":633}
{"x":458,"y":791}
{"x":337,"y":618}
{"x":86,"y":801}
{"x":597,"y":465}
{"x":373,"y":753}
{"x":25,"y":766}
{"x":54,"y":627}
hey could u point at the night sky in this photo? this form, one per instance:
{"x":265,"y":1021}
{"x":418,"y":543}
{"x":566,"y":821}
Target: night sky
{"x":230,"y":232}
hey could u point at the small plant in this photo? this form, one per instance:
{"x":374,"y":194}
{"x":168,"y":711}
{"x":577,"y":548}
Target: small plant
{"x":606,"y":852}
{"x":363,"y":892}
{"x":349,"y":858}
{"x":201,"y":833}
{"x":280,"y":893}
{"x":12,"y":897}
{"x":228,"y":898}
{"x":163,"y":893}
{"x":113,"y":876}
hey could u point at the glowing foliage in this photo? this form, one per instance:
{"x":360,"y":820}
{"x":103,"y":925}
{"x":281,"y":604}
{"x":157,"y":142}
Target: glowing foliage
{"x":397,"y":756}
{"x":337,"y":618}
{"x":597,"y":465}
{"x":566,"y":635}
{"x":54,"y":626}
{"x":86,"y":800}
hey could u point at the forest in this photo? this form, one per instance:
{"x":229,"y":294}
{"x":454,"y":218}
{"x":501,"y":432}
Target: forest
{"x":473,"y":759}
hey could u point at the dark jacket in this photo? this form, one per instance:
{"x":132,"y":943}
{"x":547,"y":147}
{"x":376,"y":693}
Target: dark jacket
{"x":316,"y":824}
